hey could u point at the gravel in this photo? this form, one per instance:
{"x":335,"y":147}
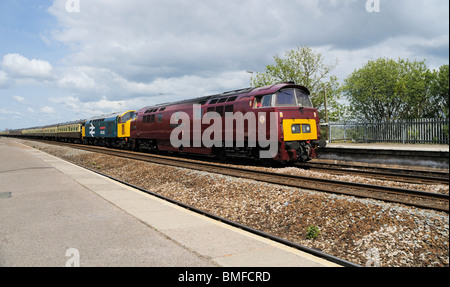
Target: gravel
{"x":364,"y":231}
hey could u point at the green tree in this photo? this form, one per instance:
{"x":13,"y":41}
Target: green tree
{"x":305,"y":67}
{"x":385,"y":89}
{"x":439,"y":89}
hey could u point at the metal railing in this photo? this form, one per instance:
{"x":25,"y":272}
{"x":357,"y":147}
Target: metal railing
{"x":424,"y":131}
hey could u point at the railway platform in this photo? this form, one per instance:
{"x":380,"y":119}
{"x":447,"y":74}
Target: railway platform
{"x":392,"y":146}
{"x":410,"y":155}
{"x":55,"y":213}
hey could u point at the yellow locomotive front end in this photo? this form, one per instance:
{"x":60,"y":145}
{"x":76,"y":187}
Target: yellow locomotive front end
{"x":124,"y":124}
{"x":299,"y":129}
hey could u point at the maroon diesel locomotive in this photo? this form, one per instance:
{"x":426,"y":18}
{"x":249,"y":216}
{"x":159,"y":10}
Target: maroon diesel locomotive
{"x":275,"y":122}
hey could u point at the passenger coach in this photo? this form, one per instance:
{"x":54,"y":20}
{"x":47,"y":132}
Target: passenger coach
{"x":71,"y":131}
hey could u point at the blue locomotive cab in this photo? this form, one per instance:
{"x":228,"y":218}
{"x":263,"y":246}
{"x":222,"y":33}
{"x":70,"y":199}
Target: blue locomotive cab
{"x":102,"y":127}
{"x":110,"y":130}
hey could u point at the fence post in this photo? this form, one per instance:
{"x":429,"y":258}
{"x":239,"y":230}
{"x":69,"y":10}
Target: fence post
{"x":403,"y":131}
{"x":329,"y":132}
{"x":345,"y":132}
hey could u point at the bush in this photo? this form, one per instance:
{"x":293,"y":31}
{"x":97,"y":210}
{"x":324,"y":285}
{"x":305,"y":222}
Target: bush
{"x":312,"y":232}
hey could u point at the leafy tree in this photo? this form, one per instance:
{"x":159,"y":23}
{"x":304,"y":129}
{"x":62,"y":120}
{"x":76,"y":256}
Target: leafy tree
{"x":305,"y":67}
{"x":385,"y":89}
{"x":439,"y":89}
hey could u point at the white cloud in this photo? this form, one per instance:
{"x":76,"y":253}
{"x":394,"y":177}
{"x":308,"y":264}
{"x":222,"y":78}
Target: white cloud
{"x":6,"y":112}
{"x":19,"y":66}
{"x":48,"y":110}
{"x":78,"y":78}
{"x":140,"y":41}
{"x":3,"y":79}
{"x":19,"y":99}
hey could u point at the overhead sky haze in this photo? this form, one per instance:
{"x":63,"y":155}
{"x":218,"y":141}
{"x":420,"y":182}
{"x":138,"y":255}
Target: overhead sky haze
{"x":64,"y":60}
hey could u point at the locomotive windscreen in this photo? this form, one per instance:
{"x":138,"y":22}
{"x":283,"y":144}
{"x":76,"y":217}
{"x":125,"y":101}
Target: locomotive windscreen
{"x":293,"y":97}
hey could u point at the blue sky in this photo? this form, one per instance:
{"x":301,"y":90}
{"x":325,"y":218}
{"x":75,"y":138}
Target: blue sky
{"x":59,"y":65}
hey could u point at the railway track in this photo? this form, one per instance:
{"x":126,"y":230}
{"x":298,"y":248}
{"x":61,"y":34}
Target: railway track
{"x":391,"y":174}
{"x":435,"y":201}
{"x":313,"y":251}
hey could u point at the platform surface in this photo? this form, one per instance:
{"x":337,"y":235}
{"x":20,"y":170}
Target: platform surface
{"x":391,"y":146}
{"x":55,"y":213}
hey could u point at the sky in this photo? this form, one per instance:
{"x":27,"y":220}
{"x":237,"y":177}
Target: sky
{"x":65,"y":60}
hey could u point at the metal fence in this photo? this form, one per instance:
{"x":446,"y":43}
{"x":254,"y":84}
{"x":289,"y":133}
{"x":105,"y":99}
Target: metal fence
{"x":431,"y":131}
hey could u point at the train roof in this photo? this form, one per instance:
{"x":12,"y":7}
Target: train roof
{"x":72,"y":122}
{"x":251,"y":91}
{"x":275,"y":88}
{"x":108,"y":116}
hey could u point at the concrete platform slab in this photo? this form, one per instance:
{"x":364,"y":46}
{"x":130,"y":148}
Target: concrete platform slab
{"x":55,"y":206}
{"x":392,"y":146}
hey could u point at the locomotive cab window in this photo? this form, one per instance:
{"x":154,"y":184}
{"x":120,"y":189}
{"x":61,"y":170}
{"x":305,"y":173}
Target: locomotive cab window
{"x":292,"y":97}
{"x":303,"y":100}
{"x":263,"y":101}
{"x":286,"y":98}
{"x":266,"y":101}
{"x":126,"y":117}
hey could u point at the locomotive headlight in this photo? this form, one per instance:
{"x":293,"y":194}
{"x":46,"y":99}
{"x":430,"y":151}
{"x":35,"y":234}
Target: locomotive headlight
{"x":315,"y":115}
{"x":306,"y":128}
{"x":296,"y":129}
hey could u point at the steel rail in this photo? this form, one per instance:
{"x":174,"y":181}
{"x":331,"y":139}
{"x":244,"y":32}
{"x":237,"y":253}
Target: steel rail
{"x":330,"y":186}
{"x":404,"y":175}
